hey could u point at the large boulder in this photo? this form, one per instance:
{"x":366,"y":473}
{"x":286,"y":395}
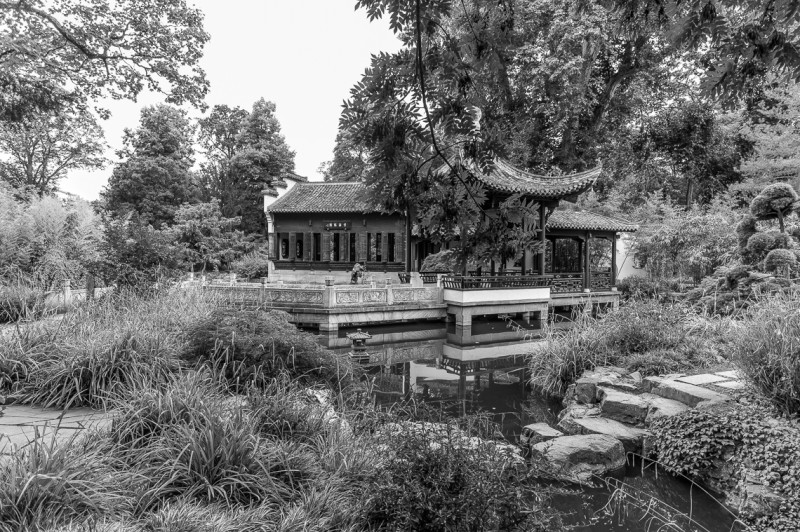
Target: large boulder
{"x":581,"y":458}
{"x":585,"y":390}
{"x":567,"y":417}
{"x":661,"y":407}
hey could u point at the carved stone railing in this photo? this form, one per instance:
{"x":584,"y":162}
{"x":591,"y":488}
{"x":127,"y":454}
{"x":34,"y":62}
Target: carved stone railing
{"x":316,"y":296}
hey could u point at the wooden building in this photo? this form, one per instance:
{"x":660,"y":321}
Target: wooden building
{"x":325,"y":228}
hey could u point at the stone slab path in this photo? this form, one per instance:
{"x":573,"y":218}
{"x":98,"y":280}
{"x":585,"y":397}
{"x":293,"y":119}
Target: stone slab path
{"x":728,"y":380}
{"x":19,"y":425}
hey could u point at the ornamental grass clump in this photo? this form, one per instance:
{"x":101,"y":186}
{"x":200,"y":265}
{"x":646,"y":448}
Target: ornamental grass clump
{"x":244,"y":345}
{"x":767,"y":350}
{"x":57,"y":479}
{"x":115,"y":342}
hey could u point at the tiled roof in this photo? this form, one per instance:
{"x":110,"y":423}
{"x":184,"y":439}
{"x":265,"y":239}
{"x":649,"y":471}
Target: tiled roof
{"x":507,"y":178}
{"x":296,"y":177}
{"x":588,"y":221}
{"x":325,"y":197}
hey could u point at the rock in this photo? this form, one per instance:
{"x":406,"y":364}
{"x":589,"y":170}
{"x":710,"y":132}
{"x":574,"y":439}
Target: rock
{"x":662,"y":407}
{"x":623,"y":407}
{"x":688,"y":394}
{"x":650,"y":383}
{"x":569,"y":396}
{"x":580,"y":458}
{"x":631,"y":437}
{"x":586,"y":386}
{"x":538,"y":432}
{"x":759,"y":500}
{"x":636,"y":377}
{"x":575,"y":411}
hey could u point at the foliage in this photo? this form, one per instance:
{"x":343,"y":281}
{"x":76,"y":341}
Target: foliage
{"x":646,"y":288}
{"x":42,"y":148}
{"x":775,"y":201}
{"x":103,"y":347}
{"x":246,"y":152}
{"x":780,"y":260}
{"x":262,"y":344}
{"x":436,"y":482}
{"x":673,"y":241}
{"x":350,"y":161}
{"x":644,"y":336}
{"x":154,"y":178}
{"x":252,"y":265}
{"x":207,"y":237}
{"x":767,"y":353}
{"x":134,"y":254}
{"x":46,"y":239}
{"x":445,"y":261}
{"x":750,"y":438}
{"x":72,"y":51}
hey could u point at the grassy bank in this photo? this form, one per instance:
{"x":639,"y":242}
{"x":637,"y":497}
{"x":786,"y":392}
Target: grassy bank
{"x":643,"y":335}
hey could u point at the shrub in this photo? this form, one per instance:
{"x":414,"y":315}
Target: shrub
{"x":246,"y":345}
{"x":647,"y":288}
{"x":434,"y":482}
{"x":252,"y":265}
{"x":780,"y":260}
{"x":768,"y":350}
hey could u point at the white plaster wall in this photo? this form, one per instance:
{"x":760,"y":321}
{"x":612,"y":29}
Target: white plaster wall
{"x":625,"y":267}
{"x":510,"y":295}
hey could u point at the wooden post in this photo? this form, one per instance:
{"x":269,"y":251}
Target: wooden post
{"x":614,"y":271}
{"x":542,"y":240}
{"x":408,"y":240}
{"x":587,"y":281}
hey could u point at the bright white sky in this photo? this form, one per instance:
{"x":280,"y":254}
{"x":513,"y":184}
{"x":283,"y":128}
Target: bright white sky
{"x":304,"y":55}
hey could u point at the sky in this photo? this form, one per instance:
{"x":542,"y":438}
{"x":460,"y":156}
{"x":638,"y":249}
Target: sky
{"x":304,"y":55}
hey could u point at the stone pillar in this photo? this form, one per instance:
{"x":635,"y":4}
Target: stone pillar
{"x":614,"y":272}
{"x":232,"y":279}
{"x":587,"y":274}
{"x":463,"y":322}
{"x":66,"y":290}
{"x":416,"y":280}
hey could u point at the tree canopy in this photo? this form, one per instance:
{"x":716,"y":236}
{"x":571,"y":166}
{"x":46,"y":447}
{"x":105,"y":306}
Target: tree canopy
{"x":154,"y":177}
{"x":80,"y":51}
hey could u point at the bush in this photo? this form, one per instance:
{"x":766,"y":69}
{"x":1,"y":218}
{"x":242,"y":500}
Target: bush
{"x":253,"y":265}
{"x":434,"y":482}
{"x":780,"y":260}
{"x":246,"y":345}
{"x":767,"y":350}
{"x":646,"y":288}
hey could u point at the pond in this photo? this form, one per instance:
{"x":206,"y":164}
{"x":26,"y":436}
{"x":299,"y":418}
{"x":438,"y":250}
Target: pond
{"x":487,"y":372}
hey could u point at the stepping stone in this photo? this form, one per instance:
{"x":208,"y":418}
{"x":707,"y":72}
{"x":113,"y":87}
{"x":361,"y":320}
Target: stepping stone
{"x":731,"y":385}
{"x":705,"y":378}
{"x":688,"y":394}
{"x":631,"y":437}
{"x":623,"y":407}
{"x":662,"y":407}
{"x":732,"y":374}
{"x":538,"y":432}
{"x":581,"y":458}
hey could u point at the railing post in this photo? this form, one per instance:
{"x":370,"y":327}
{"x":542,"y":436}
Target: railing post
{"x":389,"y":294}
{"x":66,"y":291}
{"x":232,"y":278}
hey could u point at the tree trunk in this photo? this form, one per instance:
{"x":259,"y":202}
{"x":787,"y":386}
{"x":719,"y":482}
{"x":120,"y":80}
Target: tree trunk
{"x":780,"y":221}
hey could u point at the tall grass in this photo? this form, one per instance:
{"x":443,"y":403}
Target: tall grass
{"x":767,"y":349}
{"x":100,"y":346}
{"x":645,"y":336}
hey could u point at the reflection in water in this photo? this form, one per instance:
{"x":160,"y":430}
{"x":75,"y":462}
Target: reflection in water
{"x":487,"y":372}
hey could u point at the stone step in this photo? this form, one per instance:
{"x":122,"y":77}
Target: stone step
{"x":631,"y":437}
{"x":688,"y":394}
{"x":662,"y":407}
{"x":538,"y":432}
{"x":623,"y":407}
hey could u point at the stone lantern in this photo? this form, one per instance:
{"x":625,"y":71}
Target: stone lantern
{"x":359,"y":346}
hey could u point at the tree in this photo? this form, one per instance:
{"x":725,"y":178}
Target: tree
{"x":42,"y":148}
{"x":245,"y":153}
{"x":208,"y":238}
{"x":154,"y":178}
{"x":79,"y":51}
{"x":776,"y":201}
{"x":350,"y":161}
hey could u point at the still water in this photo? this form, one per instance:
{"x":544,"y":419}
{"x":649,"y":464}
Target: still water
{"x":486,"y":372}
